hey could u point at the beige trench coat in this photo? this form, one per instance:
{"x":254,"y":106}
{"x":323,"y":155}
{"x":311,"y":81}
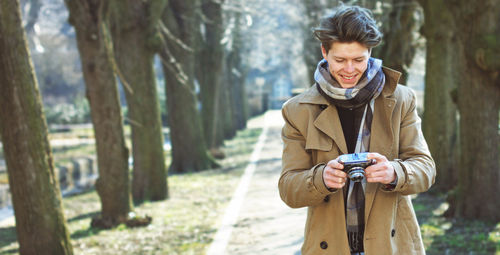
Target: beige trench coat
{"x":313,"y":135}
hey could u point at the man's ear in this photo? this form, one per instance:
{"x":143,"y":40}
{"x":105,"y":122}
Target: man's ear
{"x":323,"y":51}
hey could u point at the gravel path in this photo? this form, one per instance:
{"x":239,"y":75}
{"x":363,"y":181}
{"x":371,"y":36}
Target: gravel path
{"x":265,"y":225}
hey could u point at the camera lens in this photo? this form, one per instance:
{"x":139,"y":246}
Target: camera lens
{"x":356,"y":174}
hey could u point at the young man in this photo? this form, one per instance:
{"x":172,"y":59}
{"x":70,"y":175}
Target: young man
{"x":355,"y":106}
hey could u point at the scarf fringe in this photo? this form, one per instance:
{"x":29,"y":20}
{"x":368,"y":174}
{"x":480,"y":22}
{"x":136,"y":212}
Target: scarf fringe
{"x":356,"y":240}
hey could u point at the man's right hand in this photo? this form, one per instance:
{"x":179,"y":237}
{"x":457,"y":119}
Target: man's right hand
{"x":333,"y":176}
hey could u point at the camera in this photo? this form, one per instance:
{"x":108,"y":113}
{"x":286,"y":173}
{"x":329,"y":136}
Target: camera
{"x":355,"y":164}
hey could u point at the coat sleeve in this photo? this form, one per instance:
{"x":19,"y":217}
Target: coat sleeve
{"x":301,"y":183}
{"x":415,"y":167}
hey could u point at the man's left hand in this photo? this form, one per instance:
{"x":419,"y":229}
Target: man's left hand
{"x":382,"y":171}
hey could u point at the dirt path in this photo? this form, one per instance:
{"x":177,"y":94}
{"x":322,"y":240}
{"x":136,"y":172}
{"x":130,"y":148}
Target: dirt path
{"x":265,"y":225}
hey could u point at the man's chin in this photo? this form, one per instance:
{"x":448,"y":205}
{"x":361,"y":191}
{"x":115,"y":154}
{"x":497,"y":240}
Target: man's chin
{"x":348,"y":85}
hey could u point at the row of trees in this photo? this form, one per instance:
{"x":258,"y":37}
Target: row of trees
{"x":462,"y":88}
{"x":120,"y":39}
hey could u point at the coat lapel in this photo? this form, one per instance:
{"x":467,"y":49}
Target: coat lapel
{"x":328,"y":122}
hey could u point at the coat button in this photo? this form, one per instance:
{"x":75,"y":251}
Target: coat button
{"x":323,"y":245}
{"x":322,"y":106}
{"x":393,"y":232}
{"x":326,"y":199}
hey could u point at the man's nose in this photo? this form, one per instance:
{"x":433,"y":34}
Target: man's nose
{"x":349,"y":67}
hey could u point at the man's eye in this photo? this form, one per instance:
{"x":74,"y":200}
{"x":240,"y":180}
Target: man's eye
{"x":339,"y":60}
{"x":359,"y":60}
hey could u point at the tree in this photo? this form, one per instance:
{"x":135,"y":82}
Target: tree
{"x":136,"y":40}
{"x":478,"y":66}
{"x":235,"y":73}
{"x":189,"y":149}
{"x":440,"y":125}
{"x":209,"y":70}
{"x":32,"y":17}
{"x":399,"y":26}
{"x":232,"y":106}
{"x":113,"y":185}
{"x":40,"y":223}
{"x":225,"y":109}
{"x":313,"y":10}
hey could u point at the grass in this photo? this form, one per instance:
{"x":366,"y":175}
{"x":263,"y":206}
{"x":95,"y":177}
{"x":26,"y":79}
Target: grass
{"x":183,"y":224}
{"x":453,"y":236}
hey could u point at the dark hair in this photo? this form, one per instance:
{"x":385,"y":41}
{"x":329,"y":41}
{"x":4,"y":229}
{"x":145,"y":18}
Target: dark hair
{"x":348,"y":24}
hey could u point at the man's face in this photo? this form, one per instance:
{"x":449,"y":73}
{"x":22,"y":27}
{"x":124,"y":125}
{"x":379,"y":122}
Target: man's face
{"x":347,"y":62}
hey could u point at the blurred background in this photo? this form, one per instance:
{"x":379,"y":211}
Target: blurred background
{"x":137,"y":93}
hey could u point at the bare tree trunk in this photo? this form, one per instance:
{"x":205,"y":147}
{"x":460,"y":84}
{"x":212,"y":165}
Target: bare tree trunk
{"x":113,"y":184}
{"x":440,"y":123}
{"x":209,"y":70}
{"x":40,"y":223}
{"x":235,"y":72}
{"x":226,"y":109}
{"x":189,"y":150}
{"x":314,"y":10}
{"x":135,"y":40}
{"x":477,"y":68}
{"x":478,"y":26}
{"x":399,"y":44}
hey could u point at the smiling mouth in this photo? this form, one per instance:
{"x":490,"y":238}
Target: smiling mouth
{"x":348,"y":78}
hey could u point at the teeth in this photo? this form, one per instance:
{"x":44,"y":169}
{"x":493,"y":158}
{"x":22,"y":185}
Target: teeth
{"x":349,"y":77}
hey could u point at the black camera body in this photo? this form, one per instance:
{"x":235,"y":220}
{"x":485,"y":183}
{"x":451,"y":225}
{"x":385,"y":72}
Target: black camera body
{"x":355,"y":164}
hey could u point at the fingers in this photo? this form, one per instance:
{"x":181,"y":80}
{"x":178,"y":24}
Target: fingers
{"x":379,"y":176}
{"x":377,"y":156}
{"x":335,"y":164}
{"x":382,"y":171}
{"x":334,"y":177}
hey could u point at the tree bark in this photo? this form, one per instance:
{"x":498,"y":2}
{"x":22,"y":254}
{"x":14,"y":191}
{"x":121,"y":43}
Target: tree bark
{"x":314,"y":10}
{"x":40,"y":223}
{"x":235,"y":73}
{"x":440,"y":125}
{"x":189,"y":150}
{"x":135,"y":41}
{"x":209,"y":70}
{"x":113,"y":184}
{"x":226,"y":108}
{"x":236,"y":79}
{"x":399,"y":43}
{"x":478,"y":26}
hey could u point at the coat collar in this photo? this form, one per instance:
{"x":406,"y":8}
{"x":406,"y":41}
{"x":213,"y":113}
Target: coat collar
{"x":381,"y":129}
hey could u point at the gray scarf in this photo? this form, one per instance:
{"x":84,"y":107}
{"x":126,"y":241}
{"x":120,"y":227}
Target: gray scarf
{"x":369,"y":86}
{"x":363,"y":94}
